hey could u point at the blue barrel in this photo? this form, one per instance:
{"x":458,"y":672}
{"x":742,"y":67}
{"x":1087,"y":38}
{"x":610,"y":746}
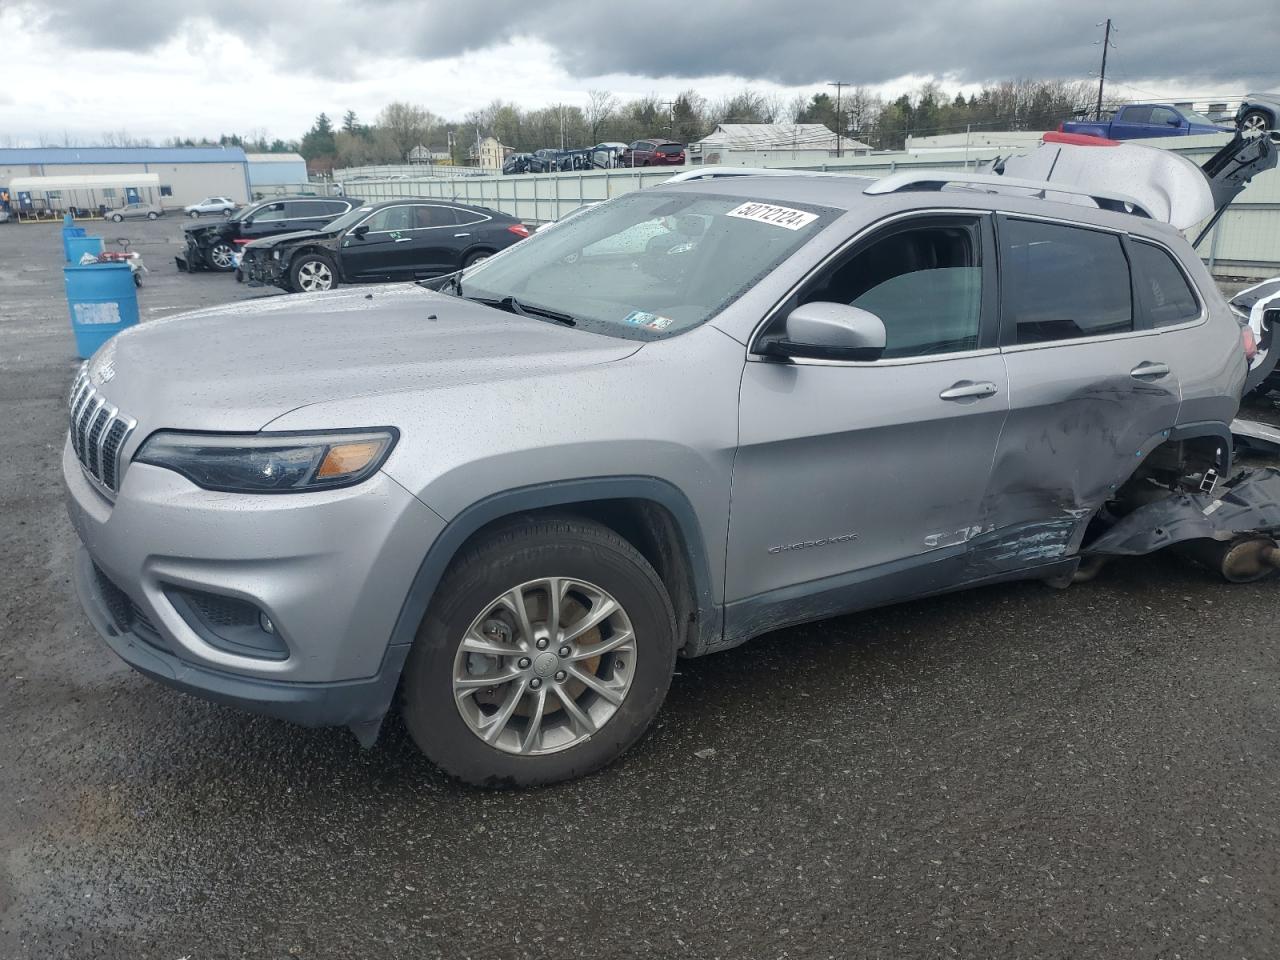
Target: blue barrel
{"x":103,"y":301}
{"x":77,"y":247}
{"x":67,"y":234}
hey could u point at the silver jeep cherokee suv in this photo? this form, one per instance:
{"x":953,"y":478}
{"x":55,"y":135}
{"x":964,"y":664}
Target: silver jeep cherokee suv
{"x":684,"y":418}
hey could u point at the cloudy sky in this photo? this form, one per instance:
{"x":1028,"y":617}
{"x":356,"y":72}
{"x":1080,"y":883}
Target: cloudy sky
{"x":157,"y":68}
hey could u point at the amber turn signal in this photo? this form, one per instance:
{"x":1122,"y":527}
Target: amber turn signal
{"x":345,"y":458}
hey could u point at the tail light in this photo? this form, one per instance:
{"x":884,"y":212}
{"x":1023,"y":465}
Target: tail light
{"x":1249,"y":342}
{"x":519,"y":229}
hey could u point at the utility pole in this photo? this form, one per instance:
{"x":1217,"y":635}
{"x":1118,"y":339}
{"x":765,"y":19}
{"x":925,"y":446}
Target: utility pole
{"x":839,"y":85}
{"x":1102,"y":76}
{"x":671,"y":116}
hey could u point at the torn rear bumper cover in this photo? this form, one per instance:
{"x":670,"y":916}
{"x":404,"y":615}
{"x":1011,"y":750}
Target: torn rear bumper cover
{"x":1249,"y":503}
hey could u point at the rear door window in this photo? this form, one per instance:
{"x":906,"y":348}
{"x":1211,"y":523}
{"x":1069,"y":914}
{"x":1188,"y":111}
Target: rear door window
{"x":1061,"y":283}
{"x":1166,"y":295}
{"x":430,"y":215}
{"x":1135,"y":115}
{"x":466,"y":217}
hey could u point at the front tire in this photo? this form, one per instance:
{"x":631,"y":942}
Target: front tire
{"x":152,"y":215}
{"x":221,"y":256}
{"x":194,"y":214}
{"x":546,"y":653}
{"x":313,"y":273}
{"x":1254,"y":123}
{"x":476,"y":257}
{"x":117,"y":218}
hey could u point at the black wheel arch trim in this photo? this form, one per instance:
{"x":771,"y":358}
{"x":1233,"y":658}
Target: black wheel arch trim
{"x":566,"y":494}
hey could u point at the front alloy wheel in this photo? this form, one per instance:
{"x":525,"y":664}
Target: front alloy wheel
{"x":546,"y":652}
{"x":1254,"y":123}
{"x":221,"y":256}
{"x":544,"y":666}
{"x":314,"y":276}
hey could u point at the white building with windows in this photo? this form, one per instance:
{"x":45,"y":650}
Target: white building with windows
{"x":58,"y":177}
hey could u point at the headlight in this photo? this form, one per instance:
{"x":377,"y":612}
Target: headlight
{"x":267,"y":462}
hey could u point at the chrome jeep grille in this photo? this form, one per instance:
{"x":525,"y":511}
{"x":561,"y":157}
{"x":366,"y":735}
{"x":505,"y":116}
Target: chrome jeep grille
{"x":98,"y":432}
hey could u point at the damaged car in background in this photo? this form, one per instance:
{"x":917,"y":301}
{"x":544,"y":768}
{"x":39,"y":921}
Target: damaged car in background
{"x":407,"y":239}
{"x":216,"y":246}
{"x":683,"y":418}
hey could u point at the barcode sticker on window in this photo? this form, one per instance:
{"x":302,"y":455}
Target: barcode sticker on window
{"x":88,"y":313}
{"x":774,"y":216}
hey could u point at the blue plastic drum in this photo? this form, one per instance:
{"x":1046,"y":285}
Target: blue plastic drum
{"x":77,"y":247}
{"x":67,"y":234}
{"x":102,"y":300}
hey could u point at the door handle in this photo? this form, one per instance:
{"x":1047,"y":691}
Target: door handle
{"x":1149,"y":371}
{"x":403,"y":239}
{"x":462,"y":234}
{"x":968,"y":390}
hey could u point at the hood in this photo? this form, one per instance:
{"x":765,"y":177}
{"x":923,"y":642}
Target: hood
{"x":278,"y":238}
{"x":196,"y":227}
{"x":240,"y":366}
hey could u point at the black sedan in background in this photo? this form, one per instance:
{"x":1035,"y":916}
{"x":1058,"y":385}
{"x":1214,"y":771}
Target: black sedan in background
{"x":397,"y":240}
{"x":212,"y":246}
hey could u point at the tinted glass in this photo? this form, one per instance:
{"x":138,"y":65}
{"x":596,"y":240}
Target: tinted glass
{"x":307,"y":209}
{"x":266,"y":214}
{"x":1062,"y":282}
{"x":1167,"y":295}
{"x":1135,"y":115}
{"x":464,"y":217}
{"x":1164,"y":115}
{"x":650,"y":263}
{"x":924,"y":283}
{"x":670,"y":149}
{"x":432,"y":216}
{"x":392,"y":218}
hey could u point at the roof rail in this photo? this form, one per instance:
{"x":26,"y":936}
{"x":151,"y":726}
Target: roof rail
{"x":936,"y":180}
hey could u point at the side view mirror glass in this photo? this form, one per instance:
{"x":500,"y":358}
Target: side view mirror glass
{"x":360,"y":231}
{"x":1175,"y":122}
{"x":829,"y":331}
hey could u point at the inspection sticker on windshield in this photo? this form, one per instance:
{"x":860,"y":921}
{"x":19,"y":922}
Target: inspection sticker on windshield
{"x":642,"y":318}
{"x":774,"y":216}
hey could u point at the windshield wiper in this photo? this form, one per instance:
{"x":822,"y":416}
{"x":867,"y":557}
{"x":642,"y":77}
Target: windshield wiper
{"x":512,"y":305}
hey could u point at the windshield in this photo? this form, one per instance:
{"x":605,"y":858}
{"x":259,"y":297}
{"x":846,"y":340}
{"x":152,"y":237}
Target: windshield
{"x":649,"y":264}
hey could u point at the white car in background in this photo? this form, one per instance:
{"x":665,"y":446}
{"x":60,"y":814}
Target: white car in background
{"x":221,"y":205}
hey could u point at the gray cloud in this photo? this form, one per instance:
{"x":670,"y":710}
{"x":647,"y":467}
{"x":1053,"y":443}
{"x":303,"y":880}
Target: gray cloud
{"x":792,"y":43}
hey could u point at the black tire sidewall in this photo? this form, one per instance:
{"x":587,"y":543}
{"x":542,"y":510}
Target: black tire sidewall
{"x":474,"y":256}
{"x":429,"y":710}
{"x":302,"y":258}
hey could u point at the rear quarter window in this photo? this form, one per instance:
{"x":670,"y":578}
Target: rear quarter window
{"x":1167,"y":296}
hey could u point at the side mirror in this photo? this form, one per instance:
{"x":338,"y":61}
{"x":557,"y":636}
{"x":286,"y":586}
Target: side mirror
{"x":360,"y":231}
{"x":1175,"y":122}
{"x":829,"y":331}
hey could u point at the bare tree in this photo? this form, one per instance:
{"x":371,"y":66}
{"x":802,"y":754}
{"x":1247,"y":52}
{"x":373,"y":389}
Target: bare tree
{"x":407,"y":125}
{"x":600,"y":110}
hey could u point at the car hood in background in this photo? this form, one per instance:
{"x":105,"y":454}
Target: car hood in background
{"x":240,"y":366}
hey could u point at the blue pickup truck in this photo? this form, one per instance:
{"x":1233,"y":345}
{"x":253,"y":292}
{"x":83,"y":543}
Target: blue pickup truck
{"x":1136,"y":121}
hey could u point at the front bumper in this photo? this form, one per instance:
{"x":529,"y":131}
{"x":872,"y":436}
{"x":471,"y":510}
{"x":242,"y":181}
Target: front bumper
{"x":330,"y":569}
{"x":259,"y":268}
{"x":359,"y":704}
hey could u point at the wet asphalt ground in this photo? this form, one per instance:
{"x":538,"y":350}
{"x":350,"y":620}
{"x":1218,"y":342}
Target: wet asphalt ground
{"x":1011,"y":772}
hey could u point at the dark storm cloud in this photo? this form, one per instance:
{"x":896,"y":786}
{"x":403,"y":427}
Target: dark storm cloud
{"x":786,"y":41}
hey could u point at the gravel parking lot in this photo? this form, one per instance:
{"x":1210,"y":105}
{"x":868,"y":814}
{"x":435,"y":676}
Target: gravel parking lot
{"x":1011,"y":772}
